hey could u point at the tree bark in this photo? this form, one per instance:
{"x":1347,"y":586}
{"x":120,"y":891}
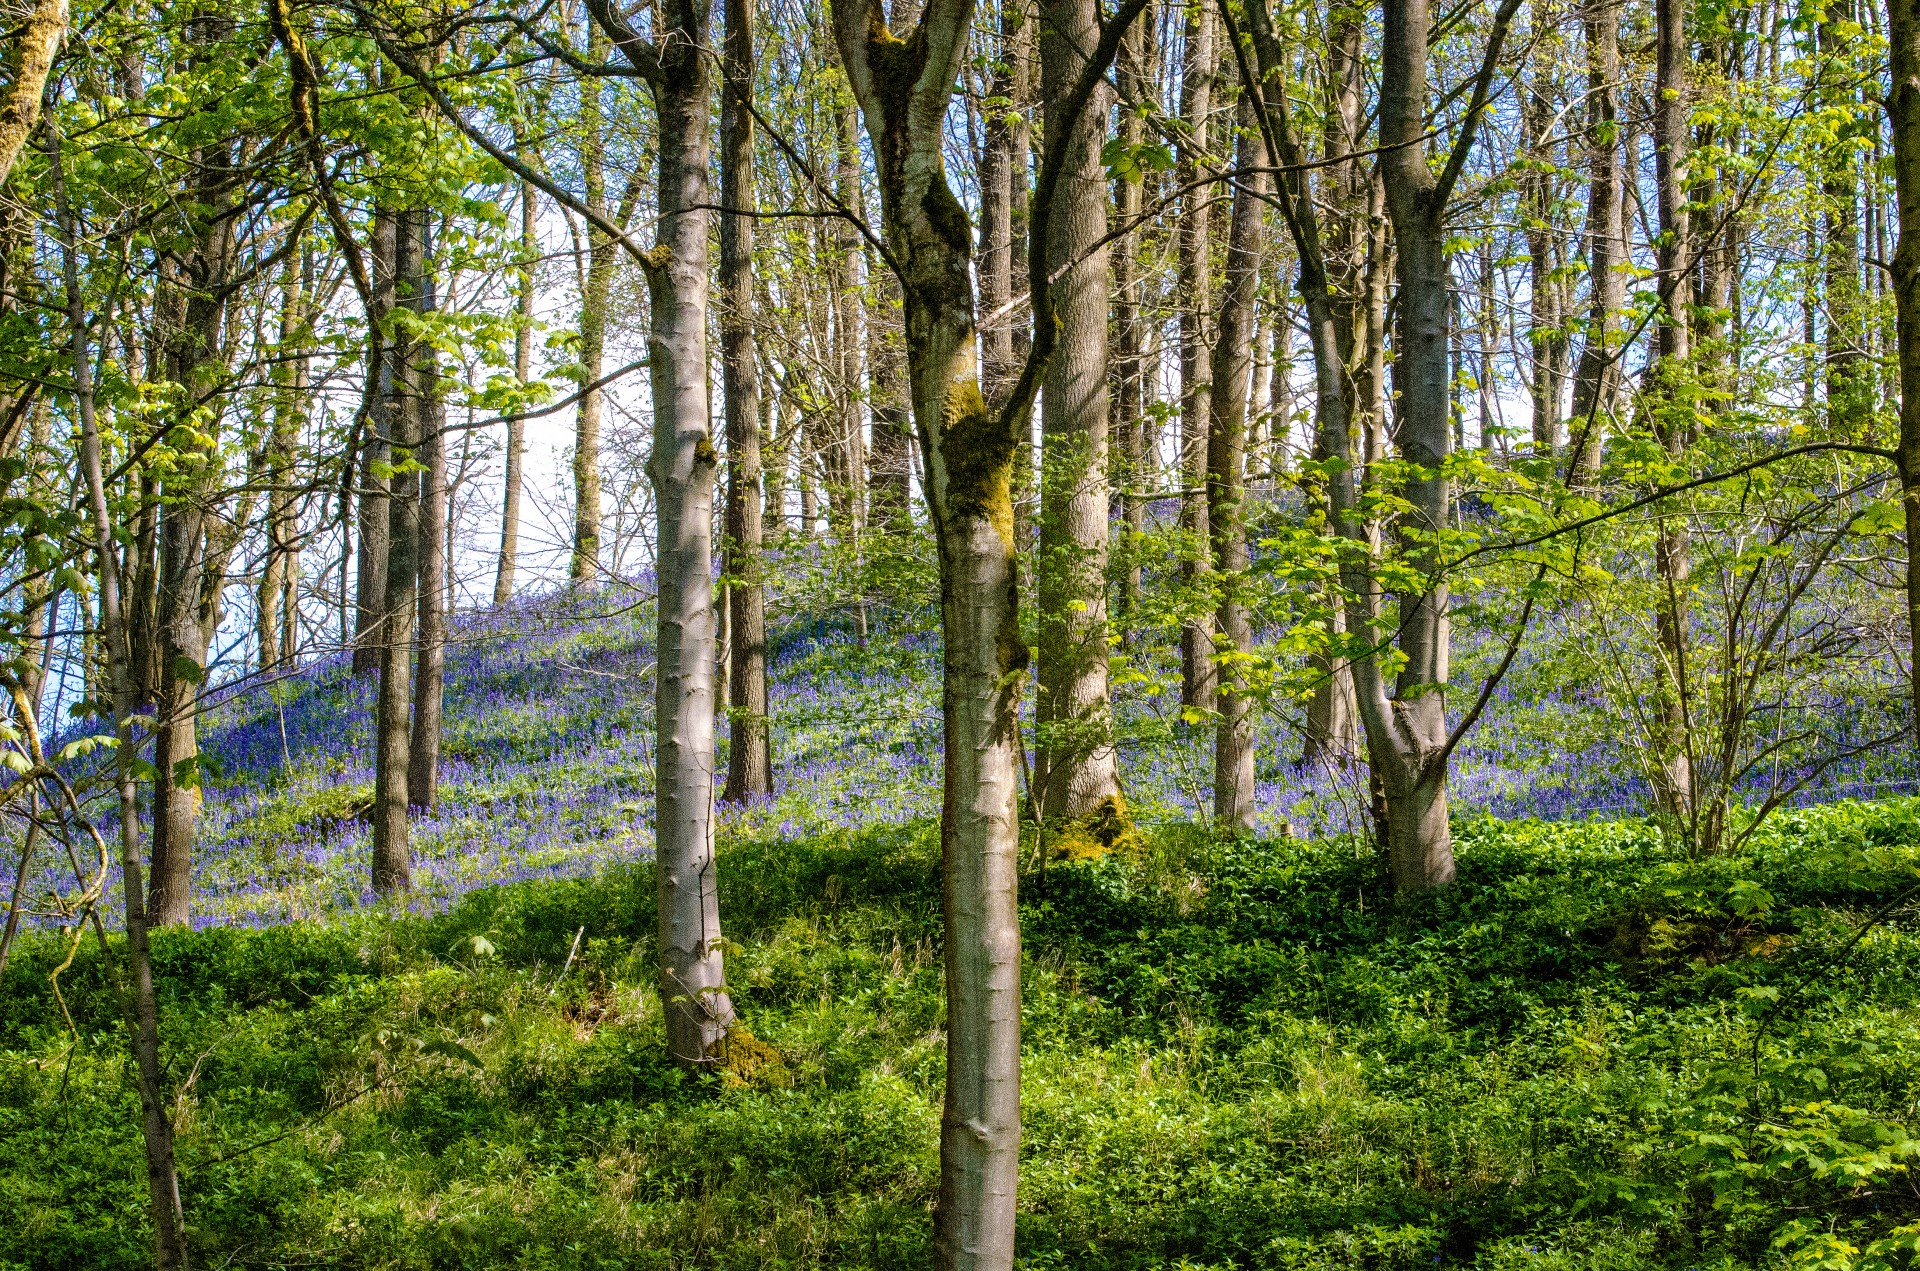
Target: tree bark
{"x":1194,"y":249}
{"x":692,"y":969}
{"x":749,"y":751}
{"x":903,"y":88}
{"x":430,"y":551}
{"x":517,"y":424}
{"x":1129,"y":397}
{"x":1076,"y":773}
{"x":596,"y":293}
{"x":1673,"y":404}
{"x":30,"y":60}
{"x":1850,"y":375}
{"x":192,"y":321}
{"x":1233,"y":749}
{"x":392,"y":854}
{"x":1596,"y":382}
{"x":1002,"y":172}
{"x":163,"y":1184}
{"x":374,"y":486}
{"x":1903,"y":112}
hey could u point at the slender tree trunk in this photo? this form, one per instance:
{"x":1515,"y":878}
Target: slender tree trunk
{"x":749,"y":752}
{"x":372,"y":503}
{"x":1130,"y":373}
{"x":1539,"y":116}
{"x":523,"y":375}
{"x":1596,"y":382}
{"x":1002,"y":167}
{"x":276,"y":617}
{"x":903,"y":88}
{"x":692,"y":966}
{"x":1673,"y":403}
{"x":595,"y":297}
{"x":1195,"y":253}
{"x":430,"y":552}
{"x":1335,"y":331}
{"x":1407,"y":736}
{"x":163,"y":1184}
{"x":1233,"y":750}
{"x":1850,"y":374}
{"x":392,"y":854}
{"x":192,"y":340}
{"x":1903,"y":111}
{"x":1076,"y":773}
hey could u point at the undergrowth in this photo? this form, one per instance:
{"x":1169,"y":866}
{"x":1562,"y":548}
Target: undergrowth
{"x":1589,"y":1053}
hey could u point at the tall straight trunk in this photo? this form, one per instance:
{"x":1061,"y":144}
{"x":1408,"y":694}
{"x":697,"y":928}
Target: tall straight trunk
{"x":156,"y":1124}
{"x":392,"y":854}
{"x":1195,"y":261}
{"x":596,"y":294}
{"x":276,"y":612}
{"x":1076,"y":773}
{"x":1130,"y":372}
{"x":890,"y":461}
{"x":692,"y":967}
{"x":749,"y":751}
{"x":1673,"y":401}
{"x":1547,"y":340}
{"x":903,"y":86}
{"x":1407,"y":736}
{"x":192,"y":336}
{"x":1233,"y":749}
{"x":1332,"y":733}
{"x":523,"y":375}
{"x":1850,"y":373}
{"x":1903,"y":112}
{"x":846,"y":452}
{"x":430,"y":551}
{"x":372,"y":484}
{"x":1596,"y":383}
{"x":1002,"y":166}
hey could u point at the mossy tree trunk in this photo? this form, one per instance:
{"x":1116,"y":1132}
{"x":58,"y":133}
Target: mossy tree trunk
{"x":903,"y":87}
{"x":1903,"y":110}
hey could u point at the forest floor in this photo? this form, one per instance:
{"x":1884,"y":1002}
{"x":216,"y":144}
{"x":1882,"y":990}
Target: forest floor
{"x":1591,"y":1052}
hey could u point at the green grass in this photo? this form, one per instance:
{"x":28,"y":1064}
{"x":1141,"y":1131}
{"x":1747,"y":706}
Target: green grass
{"x":1237,"y":1055}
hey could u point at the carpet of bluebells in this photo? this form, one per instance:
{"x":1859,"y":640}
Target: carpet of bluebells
{"x":547,"y":764}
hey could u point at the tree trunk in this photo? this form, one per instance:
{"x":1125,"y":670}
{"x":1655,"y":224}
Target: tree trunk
{"x":1673,"y":403}
{"x":1075,"y":773}
{"x":192,"y":338}
{"x":1002,"y":167}
{"x":1335,"y":328}
{"x":163,"y":1184}
{"x":370,"y":593}
{"x":1903,"y":111}
{"x":692,"y":967}
{"x":1195,"y":258}
{"x":903,"y":88}
{"x":1407,"y":738}
{"x":1850,"y":375}
{"x":275,"y":608}
{"x":596,"y":294}
{"x":1596,"y":383}
{"x":392,"y":855}
{"x":523,"y":375}
{"x":1130,"y":374}
{"x":749,"y":752}
{"x":1233,"y":749}
{"x":1546,"y":339}
{"x":430,"y":552}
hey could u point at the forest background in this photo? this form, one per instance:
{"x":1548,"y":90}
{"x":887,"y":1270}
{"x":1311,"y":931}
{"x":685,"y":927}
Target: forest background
{"x":1299,"y":565}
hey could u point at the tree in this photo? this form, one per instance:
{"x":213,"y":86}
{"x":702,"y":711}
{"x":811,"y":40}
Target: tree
{"x":749,"y":751}
{"x":692,"y":968}
{"x":1075,"y":772}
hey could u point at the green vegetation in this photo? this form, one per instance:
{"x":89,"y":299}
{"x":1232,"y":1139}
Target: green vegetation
{"x":1590,"y":1053}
